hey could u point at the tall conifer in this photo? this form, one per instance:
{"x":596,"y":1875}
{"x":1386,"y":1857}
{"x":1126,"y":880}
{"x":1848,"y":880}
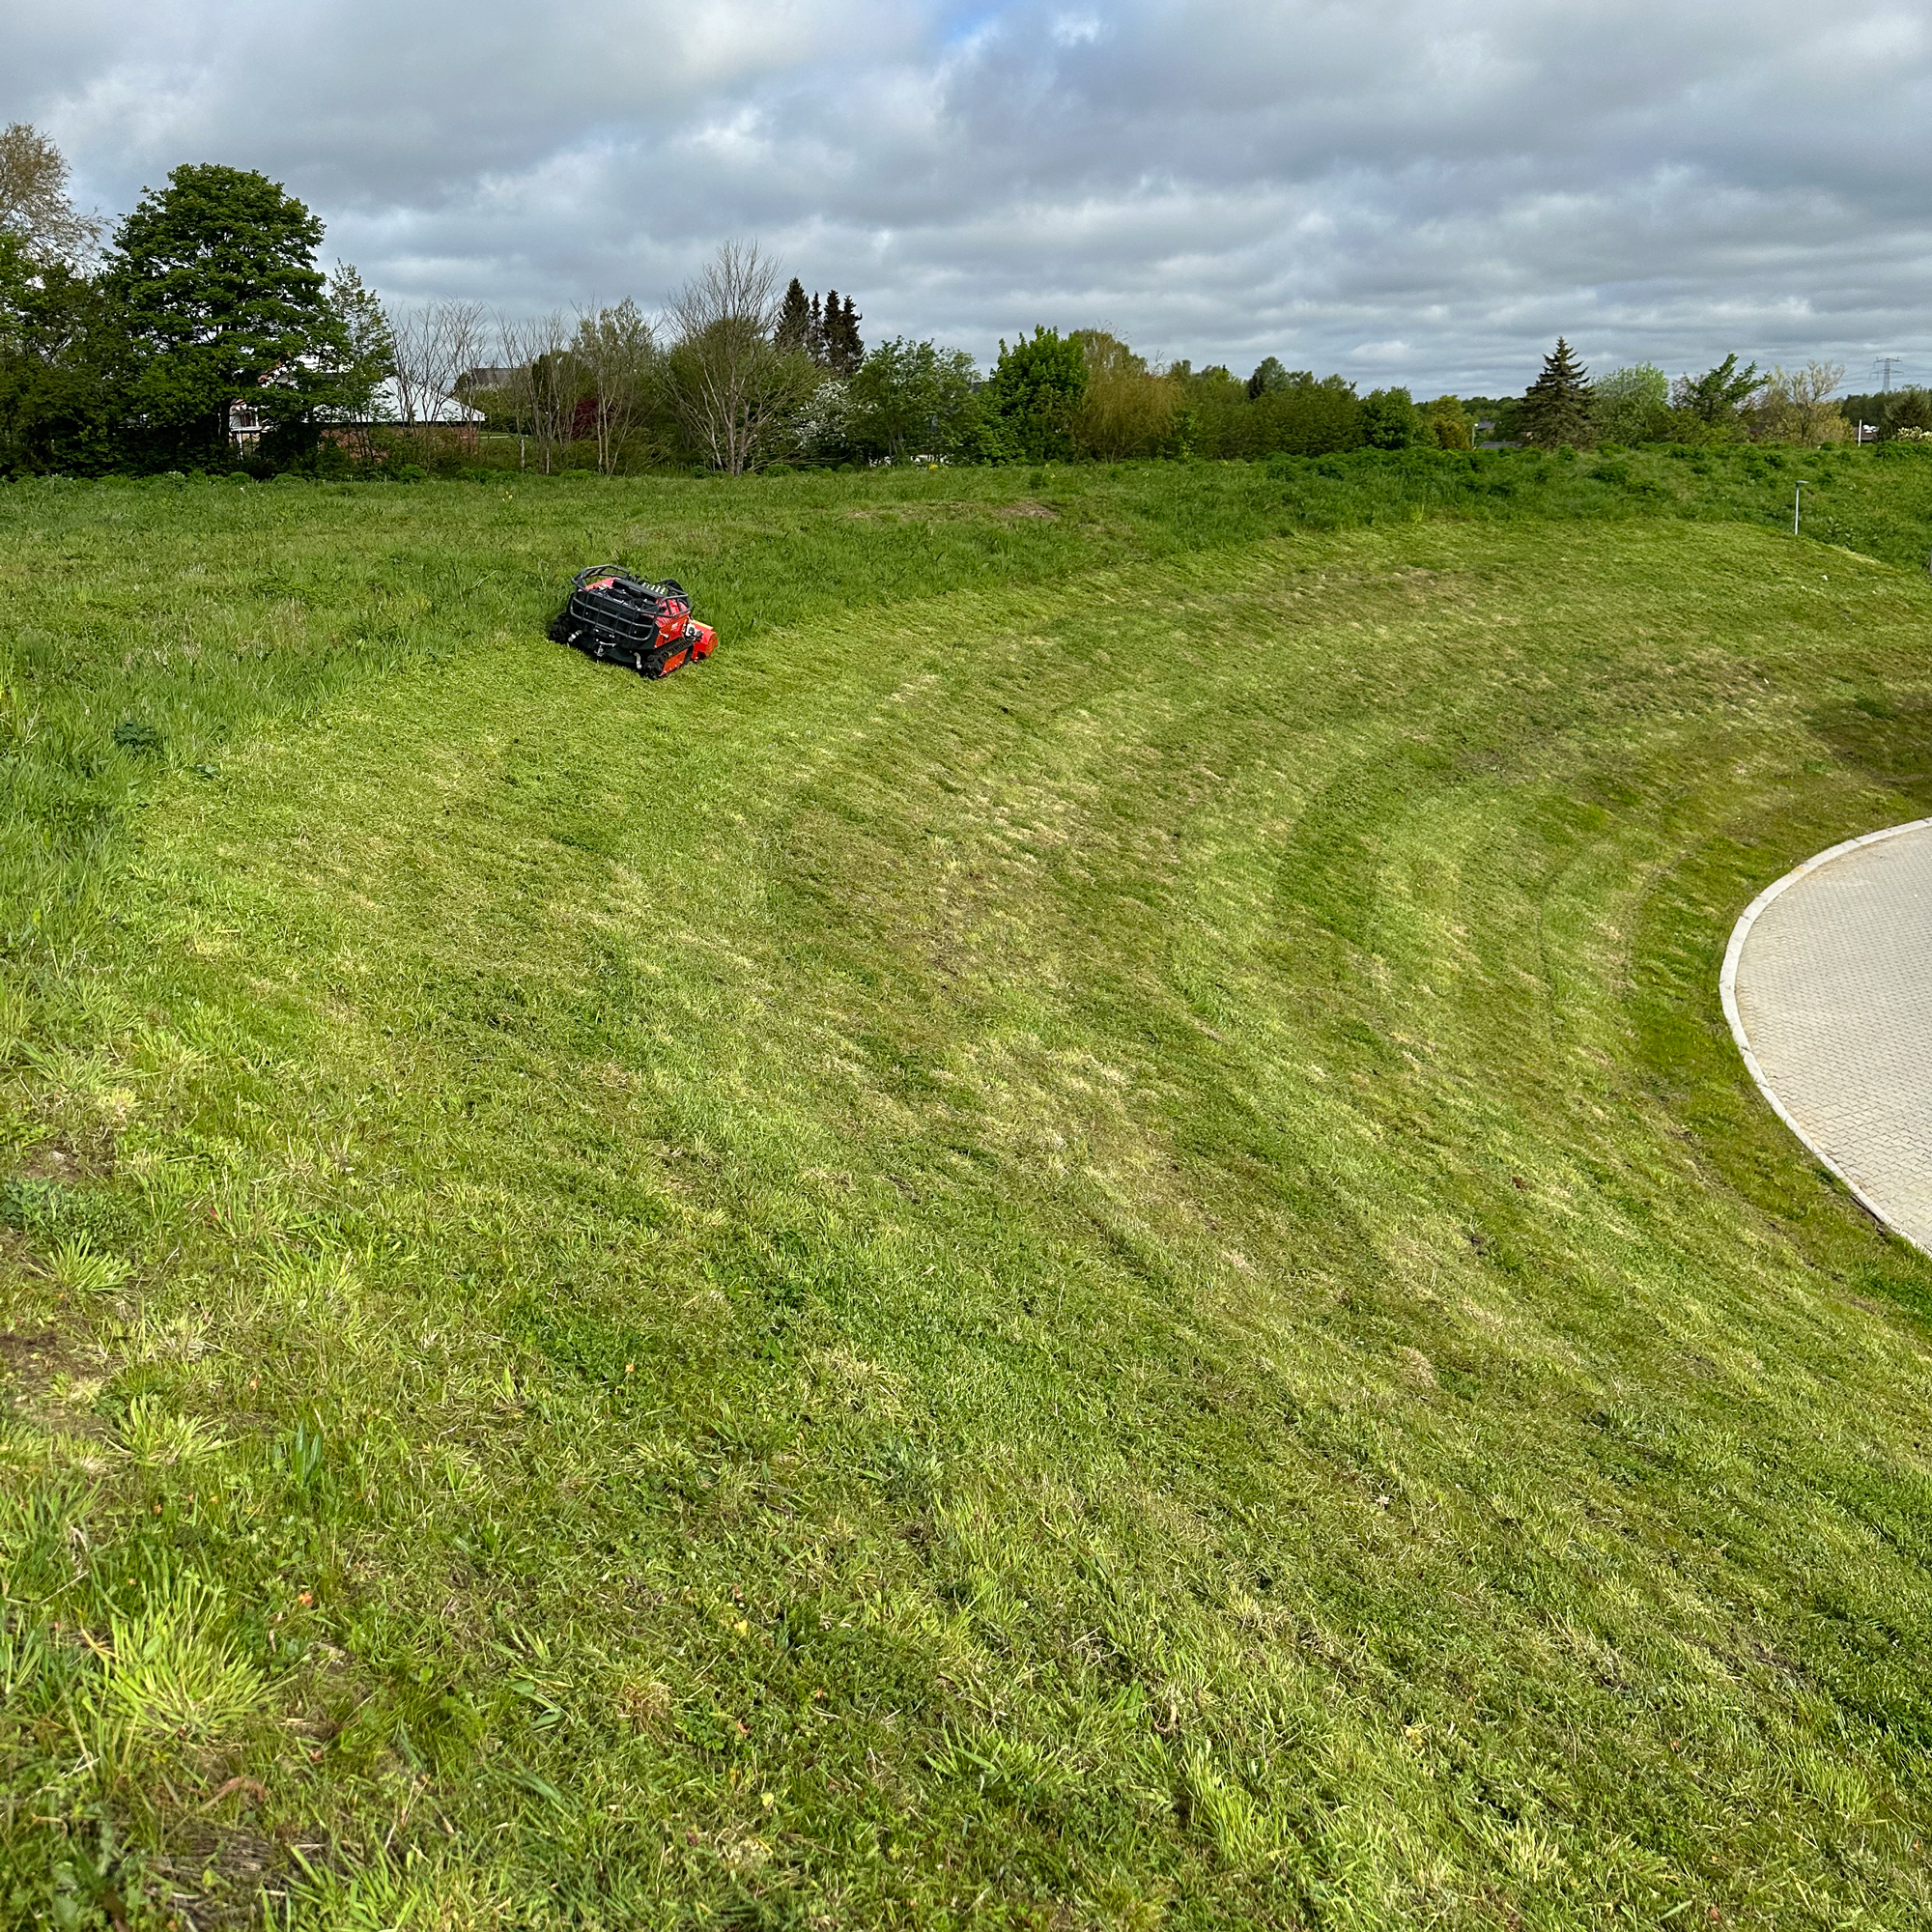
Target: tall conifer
{"x":851,"y":349}
{"x":794,"y":321}
{"x":1556,"y":406}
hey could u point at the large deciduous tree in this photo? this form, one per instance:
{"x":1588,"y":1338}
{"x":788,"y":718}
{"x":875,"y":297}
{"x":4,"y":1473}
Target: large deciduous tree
{"x":910,"y":399}
{"x":1556,"y":406}
{"x":1214,"y":416}
{"x":346,"y":378}
{"x":1796,"y":406}
{"x":614,"y":349}
{"x":1127,"y":409}
{"x":63,"y":366}
{"x":217,"y":280}
{"x":36,"y":209}
{"x":1304,"y":417}
{"x":729,"y":385}
{"x":1446,"y":423}
{"x":1389,"y":420}
{"x":1036,"y":385}
{"x":1633,"y":404}
{"x":1268,"y":377}
{"x":63,"y":354}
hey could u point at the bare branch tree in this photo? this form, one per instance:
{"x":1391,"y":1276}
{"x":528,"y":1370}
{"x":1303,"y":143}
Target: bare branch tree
{"x":554,"y":388}
{"x":1795,"y":406}
{"x":613,"y":351}
{"x":730,"y":387}
{"x":544,"y":380}
{"x":436,"y":345}
{"x":35,"y":207}
{"x":411,"y":333}
{"x":514,"y":358}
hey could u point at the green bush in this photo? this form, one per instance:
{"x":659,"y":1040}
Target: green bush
{"x":1389,"y":419}
{"x":1035,"y":390}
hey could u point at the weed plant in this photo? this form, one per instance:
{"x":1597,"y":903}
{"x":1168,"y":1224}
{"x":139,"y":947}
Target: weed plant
{"x":1072,"y":1243}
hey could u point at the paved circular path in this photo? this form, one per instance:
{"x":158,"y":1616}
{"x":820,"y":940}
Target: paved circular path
{"x":1828,"y":986}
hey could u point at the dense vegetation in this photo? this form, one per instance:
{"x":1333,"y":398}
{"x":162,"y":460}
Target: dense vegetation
{"x":1074,"y":1243}
{"x":207,"y":336}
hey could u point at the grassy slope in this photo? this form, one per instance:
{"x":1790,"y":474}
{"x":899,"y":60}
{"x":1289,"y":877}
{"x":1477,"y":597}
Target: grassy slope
{"x":1074,"y":1258}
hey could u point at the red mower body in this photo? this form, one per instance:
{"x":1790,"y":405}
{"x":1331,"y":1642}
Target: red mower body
{"x":647,"y":627}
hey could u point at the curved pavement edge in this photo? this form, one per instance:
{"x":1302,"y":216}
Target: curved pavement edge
{"x":1727,"y":988}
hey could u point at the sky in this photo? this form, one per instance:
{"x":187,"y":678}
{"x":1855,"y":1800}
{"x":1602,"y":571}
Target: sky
{"x":1416,"y":191}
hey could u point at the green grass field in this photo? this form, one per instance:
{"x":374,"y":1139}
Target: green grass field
{"x":1073,"y":1243}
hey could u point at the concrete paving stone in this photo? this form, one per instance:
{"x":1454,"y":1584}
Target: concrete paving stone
{"x":1832,"y":994}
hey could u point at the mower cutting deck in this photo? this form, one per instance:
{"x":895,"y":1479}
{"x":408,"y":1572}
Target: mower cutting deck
{"x":631,"y":621}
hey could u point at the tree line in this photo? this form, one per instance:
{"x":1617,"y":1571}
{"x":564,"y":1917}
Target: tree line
{"x":209,"y":299}
{"x":1726,"y":404}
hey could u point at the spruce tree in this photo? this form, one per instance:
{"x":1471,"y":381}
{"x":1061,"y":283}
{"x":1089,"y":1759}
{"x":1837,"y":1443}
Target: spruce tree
{"x":814,"y":332}
{"x":851,"y":347}
{"x":1556,"y":406}
{"x":827,"y":335}
{"x":794,"y":321}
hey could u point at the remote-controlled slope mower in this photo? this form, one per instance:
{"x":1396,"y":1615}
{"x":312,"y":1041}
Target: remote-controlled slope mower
{"x":631,"y":621}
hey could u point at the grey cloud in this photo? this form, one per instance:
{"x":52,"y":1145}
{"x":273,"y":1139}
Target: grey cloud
{"x":1400,"y":190}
